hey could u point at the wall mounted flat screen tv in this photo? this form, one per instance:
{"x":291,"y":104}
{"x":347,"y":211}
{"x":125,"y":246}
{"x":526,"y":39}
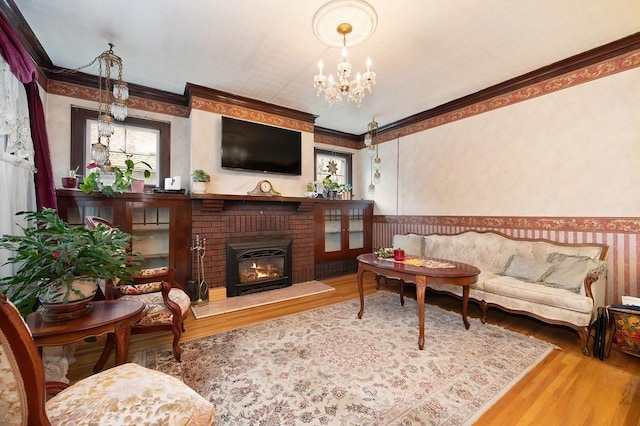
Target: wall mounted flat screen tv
{"x":260,"y":148}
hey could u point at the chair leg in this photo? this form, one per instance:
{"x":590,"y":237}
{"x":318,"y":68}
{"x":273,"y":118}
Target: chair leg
{"x":177,"y":333}
{"x":401,"y":292}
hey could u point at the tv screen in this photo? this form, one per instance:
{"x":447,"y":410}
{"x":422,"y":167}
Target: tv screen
{"x":260,"y":148}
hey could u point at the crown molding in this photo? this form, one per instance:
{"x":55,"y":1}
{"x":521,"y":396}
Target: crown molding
{"x":194,"y":91}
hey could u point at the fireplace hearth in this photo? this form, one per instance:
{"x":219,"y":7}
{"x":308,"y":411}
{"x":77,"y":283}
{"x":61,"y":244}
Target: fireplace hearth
{"x":258,"y":266}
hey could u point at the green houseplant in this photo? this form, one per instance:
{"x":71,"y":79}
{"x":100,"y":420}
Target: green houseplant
{"x":200,"y":179}
{"x":50,"y":255}
{"x":199,"y":175}
{"x":121,"y":178}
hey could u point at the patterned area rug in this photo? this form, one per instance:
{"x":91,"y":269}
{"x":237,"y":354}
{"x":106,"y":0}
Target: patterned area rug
{"x":326,"y":367}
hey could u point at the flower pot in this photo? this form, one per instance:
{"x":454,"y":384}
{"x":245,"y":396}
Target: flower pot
{"x":198,"y":187}
{"x":68,"y":299}
{"x":70,"y":182}
{"x":137,"y":185}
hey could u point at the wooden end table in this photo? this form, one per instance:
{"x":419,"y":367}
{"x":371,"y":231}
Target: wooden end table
{"x":111,"y":317}
{"x":460,"y":274}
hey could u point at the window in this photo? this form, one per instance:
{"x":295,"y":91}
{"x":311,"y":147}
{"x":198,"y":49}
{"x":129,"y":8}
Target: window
{"x":146,"y":140}
{"x":327,"y":161}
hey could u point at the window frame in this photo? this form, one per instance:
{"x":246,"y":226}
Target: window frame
{"x":344,"y":155}
{"x":79,"y":158}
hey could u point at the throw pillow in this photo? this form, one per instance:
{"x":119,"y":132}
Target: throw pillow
{"x":527,"y":269}
{"x":570,"y":271}
{"x":411,"y":243}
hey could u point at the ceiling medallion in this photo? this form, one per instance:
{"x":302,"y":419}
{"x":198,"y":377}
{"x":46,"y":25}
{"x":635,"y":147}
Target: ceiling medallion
{"x":332,"y":23}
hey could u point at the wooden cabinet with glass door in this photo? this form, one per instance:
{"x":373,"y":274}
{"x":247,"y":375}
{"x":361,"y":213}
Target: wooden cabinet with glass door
{"x":343,"y":231}
{"x":161,"y":223}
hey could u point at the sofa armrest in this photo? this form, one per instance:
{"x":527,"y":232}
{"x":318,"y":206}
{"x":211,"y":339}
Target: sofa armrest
{"x":595,"y":287}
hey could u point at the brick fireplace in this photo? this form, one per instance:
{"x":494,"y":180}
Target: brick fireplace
{"x":235,"y":219}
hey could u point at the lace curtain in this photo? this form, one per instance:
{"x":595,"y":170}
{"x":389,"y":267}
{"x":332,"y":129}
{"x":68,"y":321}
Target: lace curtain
{"x":17,"y":188}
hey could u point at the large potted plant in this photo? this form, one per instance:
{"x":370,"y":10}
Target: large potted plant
{"x":55,"y":263}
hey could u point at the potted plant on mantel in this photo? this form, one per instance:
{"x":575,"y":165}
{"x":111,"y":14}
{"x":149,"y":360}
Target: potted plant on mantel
{"x":122,"y":179}
{"x":200,"y":179}
{"x":71,"y":180}
{"x":60,"y":266}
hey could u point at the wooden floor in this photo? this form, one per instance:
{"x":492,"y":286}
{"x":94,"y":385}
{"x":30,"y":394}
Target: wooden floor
{"x":567,"y":388}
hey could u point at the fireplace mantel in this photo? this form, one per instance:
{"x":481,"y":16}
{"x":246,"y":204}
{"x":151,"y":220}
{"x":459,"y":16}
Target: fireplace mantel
{"x":216,"y":202}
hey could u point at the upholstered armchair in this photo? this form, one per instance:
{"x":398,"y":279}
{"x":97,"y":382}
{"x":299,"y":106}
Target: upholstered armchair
{"x":126,"y":394}
{"x":166,"y":302}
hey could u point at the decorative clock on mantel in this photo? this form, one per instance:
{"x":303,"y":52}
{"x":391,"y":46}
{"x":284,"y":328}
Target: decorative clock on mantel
{"x":264,"y":188}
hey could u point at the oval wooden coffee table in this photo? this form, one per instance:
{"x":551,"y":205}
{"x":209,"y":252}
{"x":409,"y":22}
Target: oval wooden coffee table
{"x":450,"y":272}
{"x":111,"y":317}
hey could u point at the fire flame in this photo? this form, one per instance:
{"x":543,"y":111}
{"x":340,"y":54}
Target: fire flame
{"x":258,"y":273}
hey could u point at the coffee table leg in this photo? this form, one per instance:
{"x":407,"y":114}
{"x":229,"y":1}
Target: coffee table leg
{"x":421,"y":287}
{"x":106,"y":351}
{"x":360,"y":290}
{"x":465,"y":302}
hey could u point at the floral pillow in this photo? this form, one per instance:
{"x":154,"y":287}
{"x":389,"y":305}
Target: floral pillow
{"x":140,"y":288}
{"x":153,"y":271}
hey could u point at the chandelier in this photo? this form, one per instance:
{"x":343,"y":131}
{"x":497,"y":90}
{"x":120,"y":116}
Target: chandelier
{"x":372,"y":148}
{"x":112,"y":102}
{"x":332,"y":23}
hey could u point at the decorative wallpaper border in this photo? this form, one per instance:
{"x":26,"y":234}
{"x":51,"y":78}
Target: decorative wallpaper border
{"x":336,"y":141}
{"x":249,"y":114}
{"x":90,"y":94}
{"x":584,"y":75}
{"x":591,"y":224}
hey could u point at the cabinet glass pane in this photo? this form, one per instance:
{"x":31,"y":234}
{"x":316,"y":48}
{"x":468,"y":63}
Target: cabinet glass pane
{"x":76,"y":215}
{"x":151,"y":227}
{"x":356,"y":228}
{"x":332,"y":230}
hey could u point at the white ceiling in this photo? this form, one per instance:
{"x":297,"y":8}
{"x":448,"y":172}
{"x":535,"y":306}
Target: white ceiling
{"x":425,"y":52}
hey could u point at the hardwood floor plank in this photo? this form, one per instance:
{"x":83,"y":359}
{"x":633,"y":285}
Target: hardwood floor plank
{"x":567,"y":388}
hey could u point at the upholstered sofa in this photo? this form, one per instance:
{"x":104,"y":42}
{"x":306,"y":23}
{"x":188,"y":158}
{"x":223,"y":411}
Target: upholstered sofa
{"x":554,"y":282}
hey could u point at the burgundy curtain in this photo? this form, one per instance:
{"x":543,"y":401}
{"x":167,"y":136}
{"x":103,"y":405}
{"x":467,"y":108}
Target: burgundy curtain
{"x":23,"y":67}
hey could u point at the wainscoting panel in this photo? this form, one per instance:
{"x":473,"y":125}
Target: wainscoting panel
{"x":620,"y":234}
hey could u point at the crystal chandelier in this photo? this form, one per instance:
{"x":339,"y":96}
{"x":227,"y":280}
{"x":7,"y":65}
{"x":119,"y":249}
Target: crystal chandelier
{"x":112,"y":103}
{"x":343,"y":85}
{"x":331,"y":24}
